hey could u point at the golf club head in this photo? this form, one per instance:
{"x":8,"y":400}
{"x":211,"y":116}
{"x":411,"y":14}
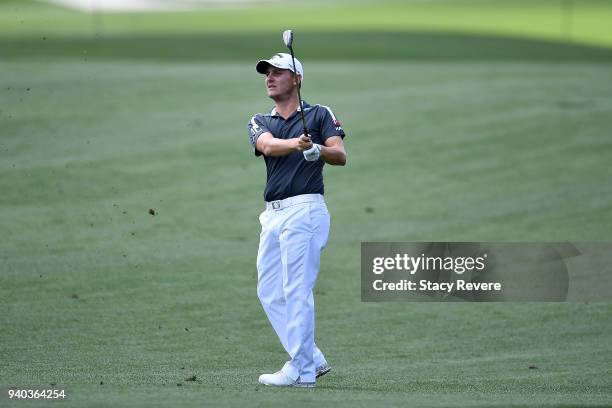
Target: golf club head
{"x":288,"y":38}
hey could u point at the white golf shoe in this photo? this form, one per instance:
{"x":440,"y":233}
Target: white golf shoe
{"x":280,"y":379}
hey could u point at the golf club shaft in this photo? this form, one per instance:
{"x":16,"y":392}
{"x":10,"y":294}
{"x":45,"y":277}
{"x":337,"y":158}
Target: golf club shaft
{"x":299,"y":93}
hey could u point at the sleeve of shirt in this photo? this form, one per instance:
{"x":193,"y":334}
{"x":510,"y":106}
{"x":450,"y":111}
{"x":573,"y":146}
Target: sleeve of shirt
{"x":256,"y":128}
{"x":330,"y":125}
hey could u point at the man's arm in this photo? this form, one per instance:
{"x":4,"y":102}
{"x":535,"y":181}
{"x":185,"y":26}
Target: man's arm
{"x":332,"y":152}
{"x":271,"y":146}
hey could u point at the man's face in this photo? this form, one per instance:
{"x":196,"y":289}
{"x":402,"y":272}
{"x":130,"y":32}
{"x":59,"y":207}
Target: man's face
{"x":279,"y":83}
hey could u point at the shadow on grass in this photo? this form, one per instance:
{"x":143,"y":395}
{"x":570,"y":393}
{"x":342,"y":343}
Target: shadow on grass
{"x":311,"y":46}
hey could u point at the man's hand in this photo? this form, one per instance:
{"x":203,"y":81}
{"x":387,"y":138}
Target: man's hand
{"x":313,"y":153}
{"x":303,"y":143}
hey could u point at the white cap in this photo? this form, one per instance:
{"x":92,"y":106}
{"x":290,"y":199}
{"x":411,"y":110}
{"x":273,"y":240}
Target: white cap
{"x":282,"y":61}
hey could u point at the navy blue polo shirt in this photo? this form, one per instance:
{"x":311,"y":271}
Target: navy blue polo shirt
{"x":292,"y":175}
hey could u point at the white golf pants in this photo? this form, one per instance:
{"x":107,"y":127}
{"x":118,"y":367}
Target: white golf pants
{"x":293,"y":234}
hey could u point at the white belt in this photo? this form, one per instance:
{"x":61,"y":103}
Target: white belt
{"x":298,"y":199}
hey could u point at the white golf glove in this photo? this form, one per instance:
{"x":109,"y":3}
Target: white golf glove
{"x":313,"y":153}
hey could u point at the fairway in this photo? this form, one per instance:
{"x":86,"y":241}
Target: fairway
{"x":130,"y":196}
{"x":95,"y":289}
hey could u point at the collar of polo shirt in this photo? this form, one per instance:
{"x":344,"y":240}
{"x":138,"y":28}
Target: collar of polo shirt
{"x":306,"y":106}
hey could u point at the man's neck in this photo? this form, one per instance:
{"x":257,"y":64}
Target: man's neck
{"x":286,"y":107}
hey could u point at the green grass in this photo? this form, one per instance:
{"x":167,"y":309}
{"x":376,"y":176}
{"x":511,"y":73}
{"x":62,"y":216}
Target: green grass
{"x":535,"y":19}
{"x":355,"y":46}
{"x":95,"y":290}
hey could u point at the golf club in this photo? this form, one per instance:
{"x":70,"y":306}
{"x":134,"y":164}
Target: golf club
{"x":288,"y":40}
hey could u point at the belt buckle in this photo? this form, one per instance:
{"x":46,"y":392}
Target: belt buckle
{"x":276,"y":205}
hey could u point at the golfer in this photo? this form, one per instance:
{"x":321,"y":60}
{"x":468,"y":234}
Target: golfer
{"x":295,"y":224}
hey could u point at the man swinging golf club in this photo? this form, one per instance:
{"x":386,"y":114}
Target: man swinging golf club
{"x":296,"y":139}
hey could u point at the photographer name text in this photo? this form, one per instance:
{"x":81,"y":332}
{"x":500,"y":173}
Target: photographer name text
{"x":427,"y":285}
